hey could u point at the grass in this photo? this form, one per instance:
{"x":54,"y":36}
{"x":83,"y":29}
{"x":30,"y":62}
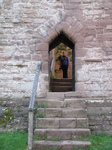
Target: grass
{"x":18,"y":141}
{"x":13,"y":140}
{"x":101,"y":142}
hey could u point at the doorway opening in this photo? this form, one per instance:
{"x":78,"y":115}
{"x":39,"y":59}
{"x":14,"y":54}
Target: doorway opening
{"x":61,"y":44}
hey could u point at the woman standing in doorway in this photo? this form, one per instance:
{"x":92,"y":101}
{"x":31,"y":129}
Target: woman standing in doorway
{"x":64,"y":64}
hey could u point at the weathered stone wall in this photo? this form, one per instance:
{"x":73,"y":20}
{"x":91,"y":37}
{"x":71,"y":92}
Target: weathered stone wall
{"x":28,"y":26}
{"x":100,"y":115}
{"x":13,"y":115}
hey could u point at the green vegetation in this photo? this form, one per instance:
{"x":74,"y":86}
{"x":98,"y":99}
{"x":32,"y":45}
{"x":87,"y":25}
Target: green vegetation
{"x":4,"y":99}
{"x":50,"y":90}
{"x":69,"y":53}
{"x":21,"y":66}
{"x":99,"y":142}
{"x":40,"y":137}
{"x":38,"y":114}
{"x":13,"y":140}
{"x":52,"y":76}
{"x":7,"y":117}
{"x":40,"y":105}
{"x":52,"y":139}
{"x":50,"y":148}
{"x":18,"y":141}
{"x":61,"y":46}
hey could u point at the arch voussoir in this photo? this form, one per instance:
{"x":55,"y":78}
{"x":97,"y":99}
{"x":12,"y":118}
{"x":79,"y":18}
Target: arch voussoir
{"x":70,"y":26}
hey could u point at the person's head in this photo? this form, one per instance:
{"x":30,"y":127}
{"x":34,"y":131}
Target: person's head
{"x":64,"y":54}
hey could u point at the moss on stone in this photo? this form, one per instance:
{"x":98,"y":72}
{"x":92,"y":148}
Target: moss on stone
{"x":7,"y":117}
{"x":4,"y":99}
{"x":21,"y":66}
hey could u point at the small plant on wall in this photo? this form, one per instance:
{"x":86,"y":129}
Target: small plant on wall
{"x":6,"y":118}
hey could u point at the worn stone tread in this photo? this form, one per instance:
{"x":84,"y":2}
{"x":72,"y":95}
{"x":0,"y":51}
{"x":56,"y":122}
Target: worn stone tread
{"x":63,"y":112}
{"x":60,"y":145}
{"x":62,"y":134}
{"x":61,"y":123}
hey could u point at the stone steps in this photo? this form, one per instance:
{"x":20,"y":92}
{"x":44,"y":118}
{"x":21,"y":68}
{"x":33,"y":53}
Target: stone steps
{"x":60,"y":80}
{"x":60,"y":123}
{"x":62,"y":119}
{"x":59,"y":88}
{"x":60,"y":145}
{"x":60,"y":85}
{"x":61,"y":134}
{"x":63,"y":112}
{"x":53,"y":103}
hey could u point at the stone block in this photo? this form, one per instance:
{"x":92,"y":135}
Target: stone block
{"x":83,"y":76}
{"x":89,"y":38}
{"x":40,"y":112}
{"x":67,"y":123}
{"x":80,"y":86}
{"x":44,"y":55}
{"x":55,"y":95}
{"x":71,"y":6}
{"x":58,"y":27}
{"x":76,"y":94}
{"x":65,"y":26}
{"x":47,"y":123}
{"x":99,"y":103}
{"x":74,"y":103}
{"x":82,"y":123}
{"x":110,"y":122}
{"x":53,"y":112}
{"x":39,"y":134}
{"x":92,"y":122}
{"x":80,"y":52}
{"x":45,"y":67}
{"x":78,"y":133}
{"x":104,"y":37}
{"x":51,"y":103}
{"x":77,"y":37}
{"x":43,"y":47}
{"x":62,"y":134}
{"x":94,"y":87}
{"x":99,"y":111}
{"x":64,"y":145}
{"x":52,"y":34}
{"x":25,"y":103}
{"x":106,"y":127}
{"x":1,"y":111}
{"x":74,"y":113}
{"x":37,"y":57}
{"x":22,"y":57}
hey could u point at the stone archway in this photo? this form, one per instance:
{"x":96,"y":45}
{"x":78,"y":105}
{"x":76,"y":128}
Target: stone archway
{"x":70,"y":26}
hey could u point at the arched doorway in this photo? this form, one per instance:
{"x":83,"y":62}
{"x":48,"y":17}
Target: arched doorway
{"x":62,"y":38}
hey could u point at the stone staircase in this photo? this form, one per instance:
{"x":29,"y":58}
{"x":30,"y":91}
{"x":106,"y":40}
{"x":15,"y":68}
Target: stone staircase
{"x":63,"y":121}
{"x":60,"y":85}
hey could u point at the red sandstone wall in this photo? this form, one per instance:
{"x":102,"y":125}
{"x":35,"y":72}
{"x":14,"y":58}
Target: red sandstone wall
{"x":27,"y":28}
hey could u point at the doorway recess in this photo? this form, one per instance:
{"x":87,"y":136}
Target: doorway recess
{"x":61,"y":84}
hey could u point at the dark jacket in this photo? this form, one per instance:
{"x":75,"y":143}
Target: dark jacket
{"x":64,"y":61}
